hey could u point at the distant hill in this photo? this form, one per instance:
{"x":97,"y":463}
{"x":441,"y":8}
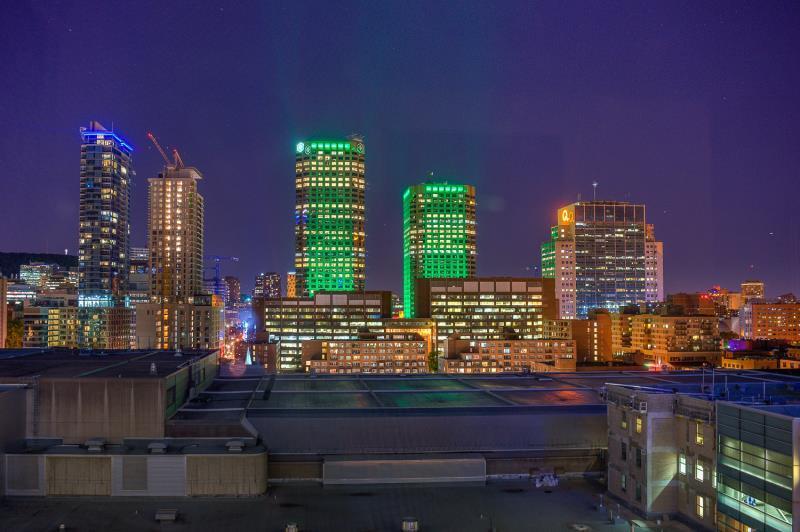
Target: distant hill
{"x":10,"y":262}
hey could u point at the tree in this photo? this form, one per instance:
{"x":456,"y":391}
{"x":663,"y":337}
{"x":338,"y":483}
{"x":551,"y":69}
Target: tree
{"x":433,"y":362}
{"x":14,"y":335}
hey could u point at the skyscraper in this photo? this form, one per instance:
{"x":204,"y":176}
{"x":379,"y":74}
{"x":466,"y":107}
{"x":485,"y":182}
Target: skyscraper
{"x":268,"y":285}
{"x":291,"y":284}
{"x":175,"y":235}
{"x":180,"y":315}
{"x":752,"y":290}
{"x":103,"y":248}
{"x":329,"y":216}
{"x":603,"y":254}
{"x":234,"y":290}
{"x":439,"y":231}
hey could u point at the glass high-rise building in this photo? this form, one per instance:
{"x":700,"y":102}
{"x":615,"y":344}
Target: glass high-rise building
{"x":603,"y":254}
{"x":103,"y":247}
{"x":329,"y":216}
{"x":439,"y":232}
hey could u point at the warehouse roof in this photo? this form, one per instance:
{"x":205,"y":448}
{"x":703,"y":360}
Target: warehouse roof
{"x":74,"y":363}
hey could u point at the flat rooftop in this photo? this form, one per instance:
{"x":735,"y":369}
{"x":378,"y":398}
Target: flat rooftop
{"x":16,"y":364}
{"x":267,"y":394}
{"x":504,"y":506}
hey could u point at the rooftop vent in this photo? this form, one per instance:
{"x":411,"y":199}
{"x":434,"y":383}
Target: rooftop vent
{"x":157,"y":447}
{"x":95,"y":445}
{"x":235,"y":446}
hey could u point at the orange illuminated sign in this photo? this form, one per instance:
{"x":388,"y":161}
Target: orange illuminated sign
{"x":566,"y":216}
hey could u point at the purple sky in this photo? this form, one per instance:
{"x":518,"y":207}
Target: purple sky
{"x":691,"y":108}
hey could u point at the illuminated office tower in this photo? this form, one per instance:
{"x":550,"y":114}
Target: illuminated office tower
{"x":752,"y":290}
{"x":103,"y":246}
{"x":329,"y":216}
{"x":603,"y":254}
{"x":291,"y":284}
{"x":438,"y":235}
{"x":234,"y":294}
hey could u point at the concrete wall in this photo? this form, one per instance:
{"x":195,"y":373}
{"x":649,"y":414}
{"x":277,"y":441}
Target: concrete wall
{"x":113,"y":409}
{"x":389,"y":470}
{"x":241,"y":475}
{"x":13,"y":413}
{"x":78,"y":475}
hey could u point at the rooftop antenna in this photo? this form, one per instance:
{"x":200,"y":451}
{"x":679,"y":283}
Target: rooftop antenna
{"x":594,"y":190}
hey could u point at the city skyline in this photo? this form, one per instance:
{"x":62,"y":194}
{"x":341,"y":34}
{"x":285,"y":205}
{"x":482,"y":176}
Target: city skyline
{"x":697,"y":161}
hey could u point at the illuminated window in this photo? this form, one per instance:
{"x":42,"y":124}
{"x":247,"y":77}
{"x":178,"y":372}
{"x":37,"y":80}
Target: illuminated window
{"x":624,"y":422}
{"x":698,"y":435}
{"x":700,"y":507}
{"x":638,"y":425}
{"x":699,"y":471}
{"x":682,"y":464}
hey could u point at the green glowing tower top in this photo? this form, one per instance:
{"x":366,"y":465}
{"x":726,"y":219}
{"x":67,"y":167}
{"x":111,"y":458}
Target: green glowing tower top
{"x":438,"y":235}
{"x":329,"y":216}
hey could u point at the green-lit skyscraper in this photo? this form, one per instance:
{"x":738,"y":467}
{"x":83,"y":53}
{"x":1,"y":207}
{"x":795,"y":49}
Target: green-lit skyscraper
{"x":438,"y":235}
{"x":329,"y":216}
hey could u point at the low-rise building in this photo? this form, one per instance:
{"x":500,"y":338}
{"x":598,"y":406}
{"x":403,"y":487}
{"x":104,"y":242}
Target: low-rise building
{"x":676,"y":341}
{"x":771,"y":321}
{"x":371,"y":353}
{"x":504,"y":356}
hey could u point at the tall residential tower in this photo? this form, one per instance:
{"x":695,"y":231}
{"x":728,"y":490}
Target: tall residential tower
{"x":603,"y":254}
{"x":329,"y":216}
{"x":439,"y":234}
{"x":103,"y":247}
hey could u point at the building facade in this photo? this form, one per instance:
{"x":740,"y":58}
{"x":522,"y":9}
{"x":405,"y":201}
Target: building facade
{"x":507,"y":356}
{"x":603,"y":254}
{"x":372,"y":353}
{"x":234,"y":290}
{"x":439,"y":235}
{"x":268,"y":285}
{"x":486,"y":308}
{"x":676,"y":341}
{"x":325,"y":316}
{"x":103,"y":248}
{"x":771,"y":321}
{"x":330,"y":253}
{"x":592,"y":337}
{"x":752,"y":290}
{"x":291,"y":284}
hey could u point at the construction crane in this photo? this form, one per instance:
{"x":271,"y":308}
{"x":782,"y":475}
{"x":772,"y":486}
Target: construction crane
{"x":177,"y":161}
{"x":217,"y":277}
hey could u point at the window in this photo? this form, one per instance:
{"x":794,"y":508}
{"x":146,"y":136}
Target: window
{"x":700,"y":507}
{"x":699,"y":471}
{"x":623,"y":482}
{"x":698,"y":434}
{"x":682,"y":464}
{"x":638,"y":492}
{"x":623,"y":451}
{"x":638,"y":425}
{"x":624,"y":422}
{"x":638,"y":457}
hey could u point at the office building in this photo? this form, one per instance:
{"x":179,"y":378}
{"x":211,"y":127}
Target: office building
{"x":439,"y":235}
{"x":103,"y":248}
{"x":197,"y":324}
{"x":592,"y":337}
{"x":763,"y":320}
{"x":329,"y":216}
{"x":36,"y":274}
{"x":34,"y":326}
{"x":509,"y":355}
{"x":291,"y":284}
{"x":370,"y":353}
{"x":268,"y":285}
{"x":603,"y":254}
{"x":752,"y":290}
{"x":325,"y":316}
{"x":676,"y":341}
{"x":139,"y":277}
{"x":63,"y":327}
{"x":234,"y":290}
{"x":486,"y":308}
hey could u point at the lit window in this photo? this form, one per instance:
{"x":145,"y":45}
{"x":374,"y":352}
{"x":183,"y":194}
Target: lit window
{"x":682,"y":464}
{"x":698,"y":437}
{"x":699,"y":471}
{"x":638,"y":425}
{"x":701,"y":506}
{"x":624,"y":422}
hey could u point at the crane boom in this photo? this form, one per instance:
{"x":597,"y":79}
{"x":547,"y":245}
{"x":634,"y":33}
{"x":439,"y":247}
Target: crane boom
{"x":158,"y":147}
{"x":177,"y":157}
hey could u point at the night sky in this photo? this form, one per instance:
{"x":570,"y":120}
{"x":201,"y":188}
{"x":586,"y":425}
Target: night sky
{"x":691,"y":108}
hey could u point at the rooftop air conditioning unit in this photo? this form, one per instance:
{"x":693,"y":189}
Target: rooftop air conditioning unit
{"x":157,"y":447}
{"x":235,"y":446}
{"x":643,"y":407}
{"x":95,"y":445}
